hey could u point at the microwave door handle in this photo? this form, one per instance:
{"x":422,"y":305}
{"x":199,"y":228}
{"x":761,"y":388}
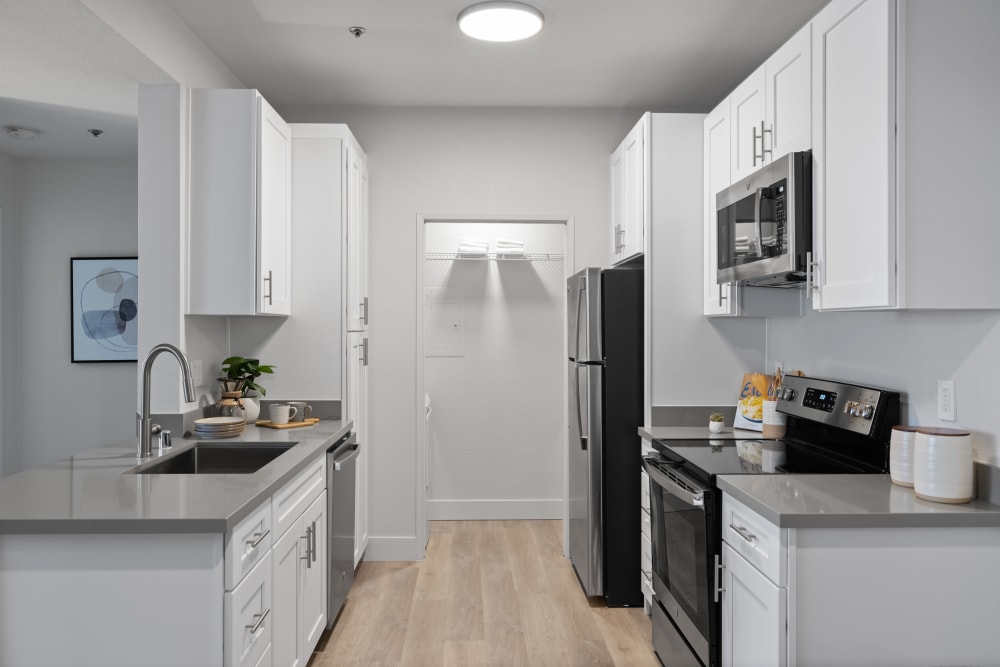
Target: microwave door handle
{"x":757,"y":200}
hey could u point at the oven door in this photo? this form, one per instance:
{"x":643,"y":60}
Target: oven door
{"x":685,"y":545}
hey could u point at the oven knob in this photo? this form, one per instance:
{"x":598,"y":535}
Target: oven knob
{"x":855,"y":409}
{"x":849,"y":408}
{"x":867,"y":410}
{"x":788,"y":393}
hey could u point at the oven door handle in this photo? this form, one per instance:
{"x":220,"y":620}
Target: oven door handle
{"x":695,"y":499}
{"x":758,"y":196}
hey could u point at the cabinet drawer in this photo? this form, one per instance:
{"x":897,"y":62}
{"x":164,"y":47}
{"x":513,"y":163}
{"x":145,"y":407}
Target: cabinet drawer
{"x":247,"y":543}
{"x":755,"y":538}
{"x":644,"y":521}
{"x":647,"y":557}
{"x":645,"y":491}
{"x":248,"y":617}
{"x":288,"y":503}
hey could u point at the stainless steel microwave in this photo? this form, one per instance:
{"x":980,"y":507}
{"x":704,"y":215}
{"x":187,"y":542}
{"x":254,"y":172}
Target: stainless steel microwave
{"x":765,"y":224}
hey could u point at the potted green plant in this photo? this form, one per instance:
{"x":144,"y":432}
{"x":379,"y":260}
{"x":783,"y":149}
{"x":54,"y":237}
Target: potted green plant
{"x":241,"y":376}
{"x":716,"y":422}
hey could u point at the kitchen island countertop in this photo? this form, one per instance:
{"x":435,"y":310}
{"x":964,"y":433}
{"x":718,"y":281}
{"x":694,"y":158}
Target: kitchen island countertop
{"x":94,"y":492}
{"x":850,"y":501}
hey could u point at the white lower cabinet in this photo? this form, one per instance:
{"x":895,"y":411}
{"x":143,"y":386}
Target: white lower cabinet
{"x":300,"y":587}
{"x":247,"y":610}
{"x":753,"y":614}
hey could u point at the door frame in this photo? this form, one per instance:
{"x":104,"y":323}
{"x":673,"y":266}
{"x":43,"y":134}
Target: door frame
{"x":569,"y":268}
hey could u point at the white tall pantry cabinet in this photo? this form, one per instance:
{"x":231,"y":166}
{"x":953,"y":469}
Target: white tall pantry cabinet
{"x":331,"y":165}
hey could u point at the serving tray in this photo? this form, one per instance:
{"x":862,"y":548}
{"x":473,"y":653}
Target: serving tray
{"x":305,"y":422}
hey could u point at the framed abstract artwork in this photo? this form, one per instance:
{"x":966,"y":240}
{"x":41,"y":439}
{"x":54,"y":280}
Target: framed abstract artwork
{"x":104,"y":293}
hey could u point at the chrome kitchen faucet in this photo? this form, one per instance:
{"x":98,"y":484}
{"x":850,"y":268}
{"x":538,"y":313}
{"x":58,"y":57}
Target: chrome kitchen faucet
{"x":146,"y":428}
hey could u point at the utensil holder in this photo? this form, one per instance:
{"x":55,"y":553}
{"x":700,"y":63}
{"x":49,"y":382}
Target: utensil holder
{"x":772,"y":422}
{"x":901,"y":445}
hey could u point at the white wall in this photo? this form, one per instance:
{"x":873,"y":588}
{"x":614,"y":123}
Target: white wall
{"x":907,"y":351}
{"x":67,"y":208}
{"x":497,"y":397}
{"x":8,"y":291}
{"x":440,"y":161}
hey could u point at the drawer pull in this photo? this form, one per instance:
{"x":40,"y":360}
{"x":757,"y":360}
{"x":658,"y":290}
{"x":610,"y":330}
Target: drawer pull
{"x":744,"y":533}
{"x":257,"y":538}
{"x":258,"y":621}
{"x":719,"y":569}
{"x":308,"y":537}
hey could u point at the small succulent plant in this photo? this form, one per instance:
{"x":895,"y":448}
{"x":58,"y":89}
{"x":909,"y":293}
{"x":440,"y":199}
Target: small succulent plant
{"x":716,"y":417}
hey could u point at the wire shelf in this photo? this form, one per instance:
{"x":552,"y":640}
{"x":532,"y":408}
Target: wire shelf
{"x":500,"y":257}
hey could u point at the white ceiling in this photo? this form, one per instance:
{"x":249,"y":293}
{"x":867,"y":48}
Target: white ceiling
{"x":680,"y":55}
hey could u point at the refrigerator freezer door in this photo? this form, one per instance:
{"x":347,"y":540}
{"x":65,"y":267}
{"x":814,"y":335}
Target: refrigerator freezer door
{"x":586,"y":449}
{"x":583,"y":300}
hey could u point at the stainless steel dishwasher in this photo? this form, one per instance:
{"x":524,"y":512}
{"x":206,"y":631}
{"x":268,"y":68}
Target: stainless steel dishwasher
{"x":341,"y":476}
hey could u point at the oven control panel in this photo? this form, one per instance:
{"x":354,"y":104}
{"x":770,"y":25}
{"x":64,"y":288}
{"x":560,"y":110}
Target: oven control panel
{"x":843,"y":405}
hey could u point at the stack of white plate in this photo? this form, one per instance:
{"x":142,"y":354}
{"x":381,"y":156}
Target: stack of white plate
{"x":209,"y":428}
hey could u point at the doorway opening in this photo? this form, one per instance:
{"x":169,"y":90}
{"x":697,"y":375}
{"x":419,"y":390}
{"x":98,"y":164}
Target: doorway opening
{"x":490,"y":352}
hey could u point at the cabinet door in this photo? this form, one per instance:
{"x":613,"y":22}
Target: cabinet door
{"x":362,"y":429}
{"x":249,"y":612}
{"x":634,"y":157}
{"x":718,"y":299}
{"x":354,"y":305}
{"x":617,"y":202}
{"x":789,"y":96}
{"x":274,"y":213}
{"x":314,"y":577}
{"x":854,"y":226}
{"x":753,"y":615}
{"x":747,"y":109}
{"x":286,"y":556}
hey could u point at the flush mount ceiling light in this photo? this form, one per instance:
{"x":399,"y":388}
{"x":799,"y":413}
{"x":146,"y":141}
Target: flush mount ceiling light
{"x":21,"y":133}
{"x":500,"y":21}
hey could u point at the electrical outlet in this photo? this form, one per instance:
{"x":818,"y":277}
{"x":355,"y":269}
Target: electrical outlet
{"x":777,"y":366}
{"x":946,"y":400}
{"x":197,"y":376}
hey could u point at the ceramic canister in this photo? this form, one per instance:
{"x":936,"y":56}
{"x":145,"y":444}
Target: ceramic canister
{"x":942,"y":465}
{"x":901,"y":455}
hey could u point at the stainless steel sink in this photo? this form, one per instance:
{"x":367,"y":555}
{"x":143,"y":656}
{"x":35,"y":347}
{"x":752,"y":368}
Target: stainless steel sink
{"x":218,"y":459}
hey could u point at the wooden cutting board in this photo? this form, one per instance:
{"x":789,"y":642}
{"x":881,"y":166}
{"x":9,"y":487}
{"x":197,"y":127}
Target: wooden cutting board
{"x":306,"y":422}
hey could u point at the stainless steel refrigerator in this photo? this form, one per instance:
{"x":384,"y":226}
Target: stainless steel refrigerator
{"x":605,"y":325}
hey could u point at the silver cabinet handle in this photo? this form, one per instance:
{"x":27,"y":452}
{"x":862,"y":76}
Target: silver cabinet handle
{"x":754,"y":148}
{"x":812,"y":280}
{"x":257,"y":538}
{"x":744,"y":533}
{"x":618,"y":235}
{"x":313,"y":550}
{"x":309,"y":542}
{"x":364,"y":351}
{"x":258,"y":621}
{"x":269,"y":293}
{"x":364,"y":310}
{"x":764,"y":151}
{"x":719,"y":568}
{"x":722,"y":297}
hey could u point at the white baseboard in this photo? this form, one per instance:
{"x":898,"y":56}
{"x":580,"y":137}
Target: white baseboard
{"x":405,"y":548}
{"x":493,"y":510}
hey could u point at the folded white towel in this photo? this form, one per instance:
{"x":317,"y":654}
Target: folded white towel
{"x":510,"y":251}
{"x":741,"y":239}
{"x":473,"y":242}
{"x":509,"y":243}
{"x":462,"y":250}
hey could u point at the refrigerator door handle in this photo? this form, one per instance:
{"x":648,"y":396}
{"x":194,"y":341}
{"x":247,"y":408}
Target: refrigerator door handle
{"x":579,"y":301}
{"x":579,"y":413}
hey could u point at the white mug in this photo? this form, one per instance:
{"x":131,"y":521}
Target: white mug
{"x":281,"y":413}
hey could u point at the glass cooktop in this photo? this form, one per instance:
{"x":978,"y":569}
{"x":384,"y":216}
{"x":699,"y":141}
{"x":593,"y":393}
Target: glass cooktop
{"x":707,"y":458}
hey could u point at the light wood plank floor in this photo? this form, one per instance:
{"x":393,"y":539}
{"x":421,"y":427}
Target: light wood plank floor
{"x":488,"y":593}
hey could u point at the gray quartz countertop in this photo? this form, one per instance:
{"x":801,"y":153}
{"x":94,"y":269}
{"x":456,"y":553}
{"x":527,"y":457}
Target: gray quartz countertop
{"x":694,"y":433}
{"x":850,"y":501}
{"x":94,"y":492}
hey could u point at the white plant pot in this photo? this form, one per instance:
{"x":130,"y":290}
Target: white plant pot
{"x":251,"y":404}
{"x":716,"y":427}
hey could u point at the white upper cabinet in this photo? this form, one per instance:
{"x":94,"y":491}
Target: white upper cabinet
{"x":720,"y":299}
{"x":240,"y":231}
{"x":904,"y":98}
{"x":629,"y":192}
{"x":357,"y":239}
{"x":771,"y":110}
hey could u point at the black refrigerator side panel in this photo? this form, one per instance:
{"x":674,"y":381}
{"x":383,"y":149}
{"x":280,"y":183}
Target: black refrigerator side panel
{"x":623,"y":356}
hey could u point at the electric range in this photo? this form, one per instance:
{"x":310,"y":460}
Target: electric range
{"x":831,"y":427}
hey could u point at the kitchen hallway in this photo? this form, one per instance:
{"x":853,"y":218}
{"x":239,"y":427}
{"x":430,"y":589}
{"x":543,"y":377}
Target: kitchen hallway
{"x":494,"y":593}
